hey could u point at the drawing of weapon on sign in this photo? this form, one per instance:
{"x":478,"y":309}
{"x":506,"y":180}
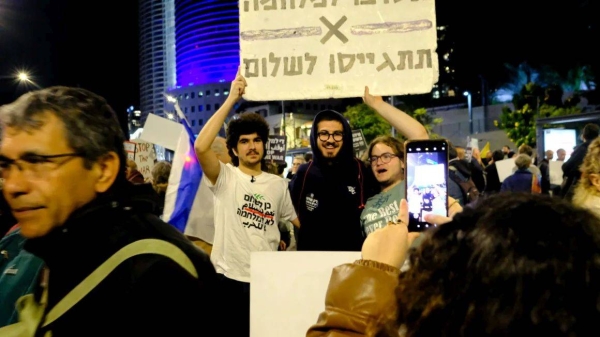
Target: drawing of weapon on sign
{"x":334,"y":29}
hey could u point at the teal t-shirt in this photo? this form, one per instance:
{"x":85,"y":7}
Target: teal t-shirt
{"x":382,"y":208}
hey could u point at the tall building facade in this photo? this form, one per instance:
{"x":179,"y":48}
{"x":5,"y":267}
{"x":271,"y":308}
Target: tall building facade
{"x":207,"y":33}
{"x":157,"y":55}
{"x":208,"y":55}
{"x":446,"y":86}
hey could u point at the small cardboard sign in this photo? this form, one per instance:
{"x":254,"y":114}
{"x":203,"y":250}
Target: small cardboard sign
{"x":144,"y":158}
{"x":130,"y":149}
{"x":359,"y":143}
{"x":276,"y":149}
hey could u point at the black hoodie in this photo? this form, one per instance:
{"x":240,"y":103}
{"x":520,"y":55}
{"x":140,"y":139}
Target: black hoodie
{"x":329,"y":195}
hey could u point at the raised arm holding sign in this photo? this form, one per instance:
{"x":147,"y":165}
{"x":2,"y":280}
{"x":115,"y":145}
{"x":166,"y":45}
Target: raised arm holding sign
{"x":403,"y":123}
{"x":207,"y":157}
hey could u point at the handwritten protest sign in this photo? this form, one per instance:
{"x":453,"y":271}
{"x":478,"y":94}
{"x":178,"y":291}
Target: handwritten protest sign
{"x":130,"y":149}
{"x":275,"y":149}
{"x":301,"y":49}
{"x":144,"y":158}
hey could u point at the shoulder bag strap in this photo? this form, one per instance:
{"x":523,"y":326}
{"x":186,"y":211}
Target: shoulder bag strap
{"x":146,"y":246}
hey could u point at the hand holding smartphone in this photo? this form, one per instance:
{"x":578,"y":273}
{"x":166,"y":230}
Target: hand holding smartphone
{"x":426,"y":180}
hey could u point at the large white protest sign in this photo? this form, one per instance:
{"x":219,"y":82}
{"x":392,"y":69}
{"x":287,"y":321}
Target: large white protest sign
{"x":287,"y":291}
{"x":505,"y":168}
{"x":309,"y":49}
{"x":161,"y":131}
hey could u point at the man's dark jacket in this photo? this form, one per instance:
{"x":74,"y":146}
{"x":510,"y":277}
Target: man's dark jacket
{"x":148,"y":295}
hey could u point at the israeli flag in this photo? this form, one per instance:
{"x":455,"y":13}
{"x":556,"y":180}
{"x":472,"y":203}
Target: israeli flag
{"x":184,"y":180}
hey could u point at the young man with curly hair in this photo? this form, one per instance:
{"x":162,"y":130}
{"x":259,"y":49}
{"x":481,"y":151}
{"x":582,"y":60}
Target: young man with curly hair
{"x":249,"y":203}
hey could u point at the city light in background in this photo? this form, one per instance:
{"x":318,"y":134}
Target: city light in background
{"x":23,"y":76}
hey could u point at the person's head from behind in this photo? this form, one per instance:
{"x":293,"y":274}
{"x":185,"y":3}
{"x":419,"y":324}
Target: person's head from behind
{"x":497,"y":155}
{"x":60,"y":148}
{"x":130,"y":167}
{"x":526,"y":149}
{"x":386,"y":156}
{"x":308,"y":156}
{"x":491,"y":272}
{"x":160,"y":176}
{"x":296,"y":162}
{"x":523,"y":161}
{"x":280,"y":168}
{"x":246,"y":138}
{"x":219,"y":147}
{"x":276,"y":168}
{"x":329,"y":133}
{"x":590,"y":132}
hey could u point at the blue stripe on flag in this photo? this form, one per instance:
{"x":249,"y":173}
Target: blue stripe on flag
{"x":188,"y":185}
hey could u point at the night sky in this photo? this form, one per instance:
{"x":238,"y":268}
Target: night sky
{"x":90,"y":44}
{"x":94,"y":44}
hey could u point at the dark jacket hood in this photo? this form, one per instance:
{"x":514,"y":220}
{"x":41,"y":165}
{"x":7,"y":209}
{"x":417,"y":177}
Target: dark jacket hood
{"x":346,"y":152}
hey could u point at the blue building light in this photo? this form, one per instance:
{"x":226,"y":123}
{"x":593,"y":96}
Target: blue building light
{"x":207,"y":41}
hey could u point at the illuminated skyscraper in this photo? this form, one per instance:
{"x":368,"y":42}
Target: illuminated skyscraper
{"x":157,"y":54}
{"x":208,"y":48}
{"x":446,"y":86}
{"x":208,"y":55}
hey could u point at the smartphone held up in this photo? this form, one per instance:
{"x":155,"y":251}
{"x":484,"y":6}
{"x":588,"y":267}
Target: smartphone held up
{"x":426,"y":178}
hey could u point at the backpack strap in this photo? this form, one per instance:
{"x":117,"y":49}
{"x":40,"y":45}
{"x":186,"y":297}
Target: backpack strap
{"x":146,"y":246}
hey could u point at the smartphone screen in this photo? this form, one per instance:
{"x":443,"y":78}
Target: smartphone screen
{"x":426,"y":177}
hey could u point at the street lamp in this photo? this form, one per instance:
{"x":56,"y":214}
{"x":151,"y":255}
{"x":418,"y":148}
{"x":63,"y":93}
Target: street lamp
{"x":468,"y":95}
{"x":23,"y":77}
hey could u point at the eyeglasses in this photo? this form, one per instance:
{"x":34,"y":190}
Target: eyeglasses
{"x":337,"y":136}
{"x":385,"y":158}
{"x":33,"y":165}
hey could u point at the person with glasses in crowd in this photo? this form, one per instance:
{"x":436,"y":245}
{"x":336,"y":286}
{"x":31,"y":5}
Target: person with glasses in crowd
{"x":63,"y":160}
{"x":386,"y":157}
{"x":330,"y":192}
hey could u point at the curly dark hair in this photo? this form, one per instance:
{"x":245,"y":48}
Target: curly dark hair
{"x":245,"y":124}
{"x":525,"y":264}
